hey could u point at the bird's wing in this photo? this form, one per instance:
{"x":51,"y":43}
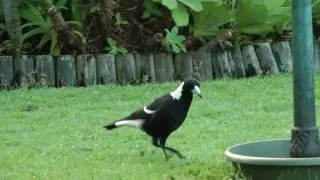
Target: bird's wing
{"x":138,"y":117}
{"x":158,"y":103}
{"x":148,"y":111}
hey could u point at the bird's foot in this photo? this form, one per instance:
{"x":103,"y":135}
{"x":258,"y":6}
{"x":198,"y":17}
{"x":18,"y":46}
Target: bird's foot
{"x":181,"y":156}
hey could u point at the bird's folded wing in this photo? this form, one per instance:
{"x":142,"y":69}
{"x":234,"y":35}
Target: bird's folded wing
{"x":157,"y":104}
{"x":147,"y":112}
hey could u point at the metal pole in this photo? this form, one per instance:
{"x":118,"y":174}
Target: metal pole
{"x":305,"y":136}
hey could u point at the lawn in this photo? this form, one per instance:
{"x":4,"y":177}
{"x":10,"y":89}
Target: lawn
{"x":58,"y":134}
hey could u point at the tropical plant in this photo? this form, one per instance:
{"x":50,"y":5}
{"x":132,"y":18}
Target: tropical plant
{"x":41,"y":23}
{"x":150,"y":9}
{"x":316,"y":11}
{"x":2,"y":28}
{"x":173,"y":42}
{"x":179,"y":11}
{"x":79,"y":11}
{"x":112,"y":47}
{"x":208,"y":24}
{"x":261,"y":17}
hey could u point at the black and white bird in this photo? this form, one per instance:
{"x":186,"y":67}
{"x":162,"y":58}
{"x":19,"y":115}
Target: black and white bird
{"x":163,"y":116}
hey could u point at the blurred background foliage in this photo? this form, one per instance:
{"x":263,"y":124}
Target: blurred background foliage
{"x":121,"y":26}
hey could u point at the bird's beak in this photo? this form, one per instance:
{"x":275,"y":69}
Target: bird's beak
{"x":196,"y":90}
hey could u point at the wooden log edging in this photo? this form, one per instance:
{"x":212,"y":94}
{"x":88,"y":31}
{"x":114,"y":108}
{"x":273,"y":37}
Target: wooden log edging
{"x":283,"y":55}
{"x":238,"y":61}
{"x":6,"y":72}
{"x":89,"y":70}
{"x":86,"y":70}
{"x":183,"y":66}
{"x":24,"y":70}
{"x":145,"y":69}
{"x":66,"y":71}
{"x":106,"y":69}
{"x":202,"y":65}
{"x":251,"y":61}
{"x":45,"y":70}
{"x":266,"y":59}
{"x":163,"y":65}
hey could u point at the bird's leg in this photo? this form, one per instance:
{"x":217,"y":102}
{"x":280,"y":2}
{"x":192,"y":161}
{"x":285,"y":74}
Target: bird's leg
{"x":174,"y":151}
{"x":155,"y":142}
{"x":163,"y":145}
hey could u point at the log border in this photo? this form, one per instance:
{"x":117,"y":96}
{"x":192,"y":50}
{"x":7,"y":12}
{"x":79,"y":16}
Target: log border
{"x":132,"y":68}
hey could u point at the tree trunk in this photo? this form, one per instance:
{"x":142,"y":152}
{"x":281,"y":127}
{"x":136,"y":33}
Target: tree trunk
{"x":106,"y":13}
{"x":13,"y":23}
{"x":65,"y":35}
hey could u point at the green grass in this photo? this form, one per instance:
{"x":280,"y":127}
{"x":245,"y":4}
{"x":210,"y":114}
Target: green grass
{"x":58,"y":134}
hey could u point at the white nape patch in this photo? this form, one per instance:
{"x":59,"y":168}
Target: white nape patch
{"x":148,"y":111}
{"x":196,"y":90}
{"x":136,"y":123}
{"x":176,"y":94}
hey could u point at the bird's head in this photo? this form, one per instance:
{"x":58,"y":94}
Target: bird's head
{"x":193,"y":86}
{"x":187,"y":86}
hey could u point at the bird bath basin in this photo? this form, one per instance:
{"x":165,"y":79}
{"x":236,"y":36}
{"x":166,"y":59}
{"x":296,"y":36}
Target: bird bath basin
{"x":270,"y":160}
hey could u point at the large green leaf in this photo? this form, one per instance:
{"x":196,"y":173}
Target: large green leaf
{"x":32,"y":14}
{"x":29,"y":25}
{"x":54,"y":47}
{"x":206,"y":23}
{"x":33,"y":32}
{"x":279,"y":21}
{"x":180,"y":15}
{"x":251,"y":12}
{"x":44,"y":40}
{"x":150,"y":8}
{"x":261,"y":17}
{"x":273,"y":4}
{"x":2,"y":28}
{"x":171,"y":4}
{"x":61,"y":4}
{"x":193,"y":4}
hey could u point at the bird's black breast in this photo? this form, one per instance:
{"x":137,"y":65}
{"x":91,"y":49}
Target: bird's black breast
{"x":168,"y":118}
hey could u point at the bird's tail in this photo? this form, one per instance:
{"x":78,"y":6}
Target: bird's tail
{"x":110,"y":126}
{"x":136,"y":123}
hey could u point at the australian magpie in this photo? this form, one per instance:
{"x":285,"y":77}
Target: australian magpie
{"x":163,"y":116}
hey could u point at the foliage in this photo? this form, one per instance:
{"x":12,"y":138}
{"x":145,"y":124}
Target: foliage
{"x":173,"y":42}
{"x":113,"y":48}
{"x":40,"y":23}
{"x":5,"y":46}
{"x":2,"y":28}
{"x":261,"y":17}
{"x":150,"y":9}
{"x":79,"y":12}
{"x":179,"y":10}
{"x":199,"y":20}
{"x":316,"y":11}
{"x":120,"y":21}
{"x":207,"y":23}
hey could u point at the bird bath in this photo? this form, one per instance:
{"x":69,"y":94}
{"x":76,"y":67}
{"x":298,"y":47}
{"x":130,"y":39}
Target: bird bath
{"x":298,"y":158}
{"x":270,"y":160}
